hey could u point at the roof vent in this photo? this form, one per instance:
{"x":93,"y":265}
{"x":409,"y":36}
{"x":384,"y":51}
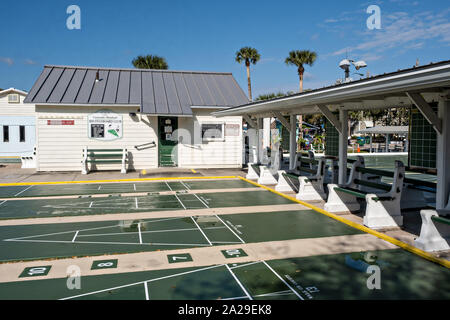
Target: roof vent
{"x":97,"y":76}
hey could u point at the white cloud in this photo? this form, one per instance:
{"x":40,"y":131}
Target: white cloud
{"x":29,"y":61}
{"x":7,"y":60}
{"x":400,"y":30}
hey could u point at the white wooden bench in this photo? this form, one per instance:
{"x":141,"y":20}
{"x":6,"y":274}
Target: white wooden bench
{"x":382,"y":200}
{"x":104,"y":156}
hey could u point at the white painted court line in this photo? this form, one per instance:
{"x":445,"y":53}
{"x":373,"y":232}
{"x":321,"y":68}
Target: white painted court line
{"x":140,"y":234}
{"x":229,"y":228}
{"x":287,"y":284}
{"x":90,"y":204}
{"x":134,"y":186}
{"x":236,"y":298}
{"x":140,"y":282}
{"x":180,"y":201}
{"x":195,"y":222}
{"x":99,"y":187}
{"x":22,"y":191}
{"x":201,"y":200}
{"x":75,"y":236}
{"x":63,"y":232}
{"x":136,"y":202}
{"x":275,"y":294}
{"x":115,"y":243}
{"x":3,"y":202}
{"x":168,"y":186}
{"x":146,"y":291}
{"x":239,"y":283}
{"x":244,"y":265}
{"x":185,"y":185}
{"x":152,"y":231}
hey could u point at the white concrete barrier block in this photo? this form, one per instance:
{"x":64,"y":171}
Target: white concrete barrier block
{"x":431,"y":237}
{"x":283,"y":185}
{"x":382,"y":213}
{"x":311,"y":190}
{"x":340,"y":202}
{"x":251,"y":174}
{"x":266,"y":176}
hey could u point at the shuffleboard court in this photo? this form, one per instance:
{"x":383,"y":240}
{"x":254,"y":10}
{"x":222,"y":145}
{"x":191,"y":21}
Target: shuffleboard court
{"x":28,"y":242}
{"x":115,"y":204}
{"x":339,"y":276}
{"x":115,"y":188}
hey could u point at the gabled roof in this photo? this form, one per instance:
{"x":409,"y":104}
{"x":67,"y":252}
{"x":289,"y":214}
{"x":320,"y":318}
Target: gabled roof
{"x":11,"y":90}
{"x":165,"y":92}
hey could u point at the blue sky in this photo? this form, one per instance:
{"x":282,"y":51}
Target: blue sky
{"x":204,"y":35}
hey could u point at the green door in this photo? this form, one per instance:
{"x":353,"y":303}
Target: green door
{"x":168,"y":156}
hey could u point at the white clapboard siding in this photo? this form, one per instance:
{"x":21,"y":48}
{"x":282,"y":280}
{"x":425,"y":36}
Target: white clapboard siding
{"x":60,"y":146}
{"x":211,"y":154}
{"x":15,"y":109}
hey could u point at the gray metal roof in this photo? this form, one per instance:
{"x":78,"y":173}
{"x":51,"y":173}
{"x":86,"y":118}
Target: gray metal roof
{"x":165,"y":92}
{"x":386,"y":130}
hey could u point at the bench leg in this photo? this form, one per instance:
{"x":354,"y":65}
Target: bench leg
{"x":251,"y":175}
{"x":311,"y":190}
{"x":382,"y":213}
{"x":283,"y":185}
{"x":84,"y":168}
{"x":266,"y":177}
{"x":340,"y":201}
{"x":431,"y":238}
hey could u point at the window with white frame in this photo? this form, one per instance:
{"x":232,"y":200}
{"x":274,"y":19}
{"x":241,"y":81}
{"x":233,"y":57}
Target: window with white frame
{"x":212,"y":131}
{"x":13,"y":98}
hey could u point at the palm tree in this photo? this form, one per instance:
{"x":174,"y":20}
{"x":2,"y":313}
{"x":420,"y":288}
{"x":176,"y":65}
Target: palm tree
{"x":250,"y":56}
{"x":299,"y":58}
{"x":150,"y":62}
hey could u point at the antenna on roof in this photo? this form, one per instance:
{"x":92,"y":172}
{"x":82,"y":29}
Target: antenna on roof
{"x":417,"y":62}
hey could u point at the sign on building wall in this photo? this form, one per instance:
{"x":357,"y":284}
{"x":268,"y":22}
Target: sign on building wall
{"x":232,"y":129}
{"x":105,"y":125}
{"x":60,"y":122}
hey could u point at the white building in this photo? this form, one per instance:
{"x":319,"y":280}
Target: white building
{"x":162,"y":117}
{"x":17,"y":125}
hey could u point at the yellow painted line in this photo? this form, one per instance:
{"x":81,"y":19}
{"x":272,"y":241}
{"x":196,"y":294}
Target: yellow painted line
{"x":9,"y":157}
{"x":193,"y":171}
{"x":358,"y":226}
{"x":112,"y":180}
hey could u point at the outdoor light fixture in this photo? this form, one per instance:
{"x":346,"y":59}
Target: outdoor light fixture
{"x":345,"y":65}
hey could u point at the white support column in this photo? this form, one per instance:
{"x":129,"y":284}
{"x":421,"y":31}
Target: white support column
{"x":343,"y":141}
{"x":259,"y":139}
{"x":292,"y":141}
{"x":443,"y":154}
{"x":371,"y":137}
{"x":386,"y":147}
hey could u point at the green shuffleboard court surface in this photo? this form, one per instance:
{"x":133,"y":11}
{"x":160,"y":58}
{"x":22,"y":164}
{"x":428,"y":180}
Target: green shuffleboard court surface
{"x":114,"y":188}
{"x":27,"y":242}
{"x":35,"y":208}
{"x":402,"y":275}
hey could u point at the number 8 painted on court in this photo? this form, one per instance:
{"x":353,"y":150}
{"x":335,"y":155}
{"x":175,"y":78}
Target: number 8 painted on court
{"x":37,"y":270}
{"x":105,"y":264}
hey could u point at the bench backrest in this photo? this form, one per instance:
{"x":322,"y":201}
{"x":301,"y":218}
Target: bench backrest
{"x":358,"y":170}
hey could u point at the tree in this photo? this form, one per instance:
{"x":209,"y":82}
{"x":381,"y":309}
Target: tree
{"x":299,"y":58}
{"x":150,"y":62}
{"x":249,"y":56}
